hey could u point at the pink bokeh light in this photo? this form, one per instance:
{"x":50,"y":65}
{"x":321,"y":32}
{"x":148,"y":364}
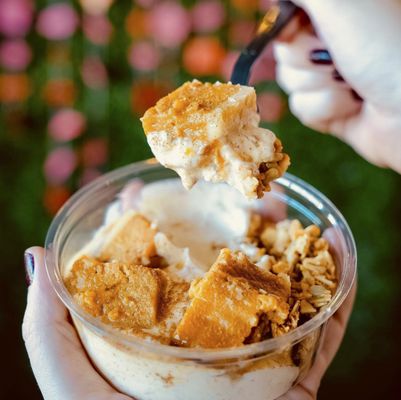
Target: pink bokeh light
{"x":271,"y":107}
{"x":15,"y":17}
{"x":228,"y":64}
{"x":57,"y":21}
{"x":94,"y":72}
{"x":264,"y":5}
{"x":59,"y":165}
{"x":264,"y":67}
{"x":208,"y":16}
{"x":94,"y":152}
{"x":170,"y":24}
{"x":241,"y":32}
{"x":88,"y":175}
{"x":66,"y":125}
{"x":97,"y":28}
{"x":15,"y":55}
{"x":144,"y":56}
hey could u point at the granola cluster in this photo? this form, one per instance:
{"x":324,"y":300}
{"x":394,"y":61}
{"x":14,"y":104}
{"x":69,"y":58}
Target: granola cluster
{"x":281,"y":277}
{"x":303,"y":256}
{"x":272,"y":170}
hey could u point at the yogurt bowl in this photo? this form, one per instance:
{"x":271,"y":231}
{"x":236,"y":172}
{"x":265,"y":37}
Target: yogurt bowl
{"x":147,"y":370}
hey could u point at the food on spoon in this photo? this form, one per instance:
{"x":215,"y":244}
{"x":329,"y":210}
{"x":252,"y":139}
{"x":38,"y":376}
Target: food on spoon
{"x":211,"y":132}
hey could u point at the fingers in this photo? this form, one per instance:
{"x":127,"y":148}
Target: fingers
{"x":296,"y":52}
{"x":318,"y":108}
{"x":322,"y":100}
{"x":332,"y":339}
{"x":317,"y":95}
{"x":51,"y":310}
{"x":293,"y":79}
{"x":346,"y":27}
{"x":58,"y":360}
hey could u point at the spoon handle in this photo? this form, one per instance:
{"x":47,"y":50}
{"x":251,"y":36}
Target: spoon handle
{"x":273,"y":22}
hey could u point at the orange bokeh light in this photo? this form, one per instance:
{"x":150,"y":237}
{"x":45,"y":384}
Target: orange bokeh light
{"x":54,"y":197}
{"x":59,"y":92}
{"x":203,"y":56}
{"x":137,"y":23}
{"x":145,"y":94}
{"x":246,"y":6}
{"x":14,"y":88}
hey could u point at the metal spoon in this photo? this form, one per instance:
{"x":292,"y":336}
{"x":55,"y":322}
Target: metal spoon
{"x":273,"y":22}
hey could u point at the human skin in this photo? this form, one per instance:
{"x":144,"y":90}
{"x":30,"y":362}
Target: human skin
{"x":58,"y":360}
{"x":64,"y":372}
{"x":362,"y":38}
{"x":372,"y":126}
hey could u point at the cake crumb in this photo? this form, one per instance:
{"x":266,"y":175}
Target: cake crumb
{"x":126,"y":296}
{"x":211,"y":321}
{"x":131,"y":241}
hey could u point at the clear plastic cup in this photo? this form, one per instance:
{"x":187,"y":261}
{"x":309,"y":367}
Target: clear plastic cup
{"x":152,"y":371}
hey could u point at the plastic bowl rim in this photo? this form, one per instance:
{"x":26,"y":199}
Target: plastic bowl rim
{"x":192,"y":354}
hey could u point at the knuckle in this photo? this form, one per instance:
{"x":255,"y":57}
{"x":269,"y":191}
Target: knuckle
{"x":26,"y":329}
{"x":281,"y":78}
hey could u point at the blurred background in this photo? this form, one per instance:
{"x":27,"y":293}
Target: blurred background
{"x":75,"y":76}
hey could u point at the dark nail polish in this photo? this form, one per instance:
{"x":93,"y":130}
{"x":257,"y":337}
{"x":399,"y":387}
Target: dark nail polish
{"x":321,"y":57}
{"x":337,"y":77}
{"x":356,"y":96}
{"x":29,"y":267}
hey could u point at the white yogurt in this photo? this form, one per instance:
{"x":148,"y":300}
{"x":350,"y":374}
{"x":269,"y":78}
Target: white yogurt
{"x":192,"y":226}
{"x":154,"y":378}
{"x":204,"y":219}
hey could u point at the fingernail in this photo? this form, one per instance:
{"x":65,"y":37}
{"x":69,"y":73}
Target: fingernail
{"x":336,"y":76}
{"x":29,"y":267}
{"x":321,"y":57}
{"x":356,"y":96}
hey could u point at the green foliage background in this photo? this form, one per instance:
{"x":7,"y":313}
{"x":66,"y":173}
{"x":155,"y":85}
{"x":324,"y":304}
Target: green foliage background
{"x":367,"y":365}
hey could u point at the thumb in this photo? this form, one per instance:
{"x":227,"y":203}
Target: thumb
{"x":348,"y":29}
{"x":58,"y":360}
